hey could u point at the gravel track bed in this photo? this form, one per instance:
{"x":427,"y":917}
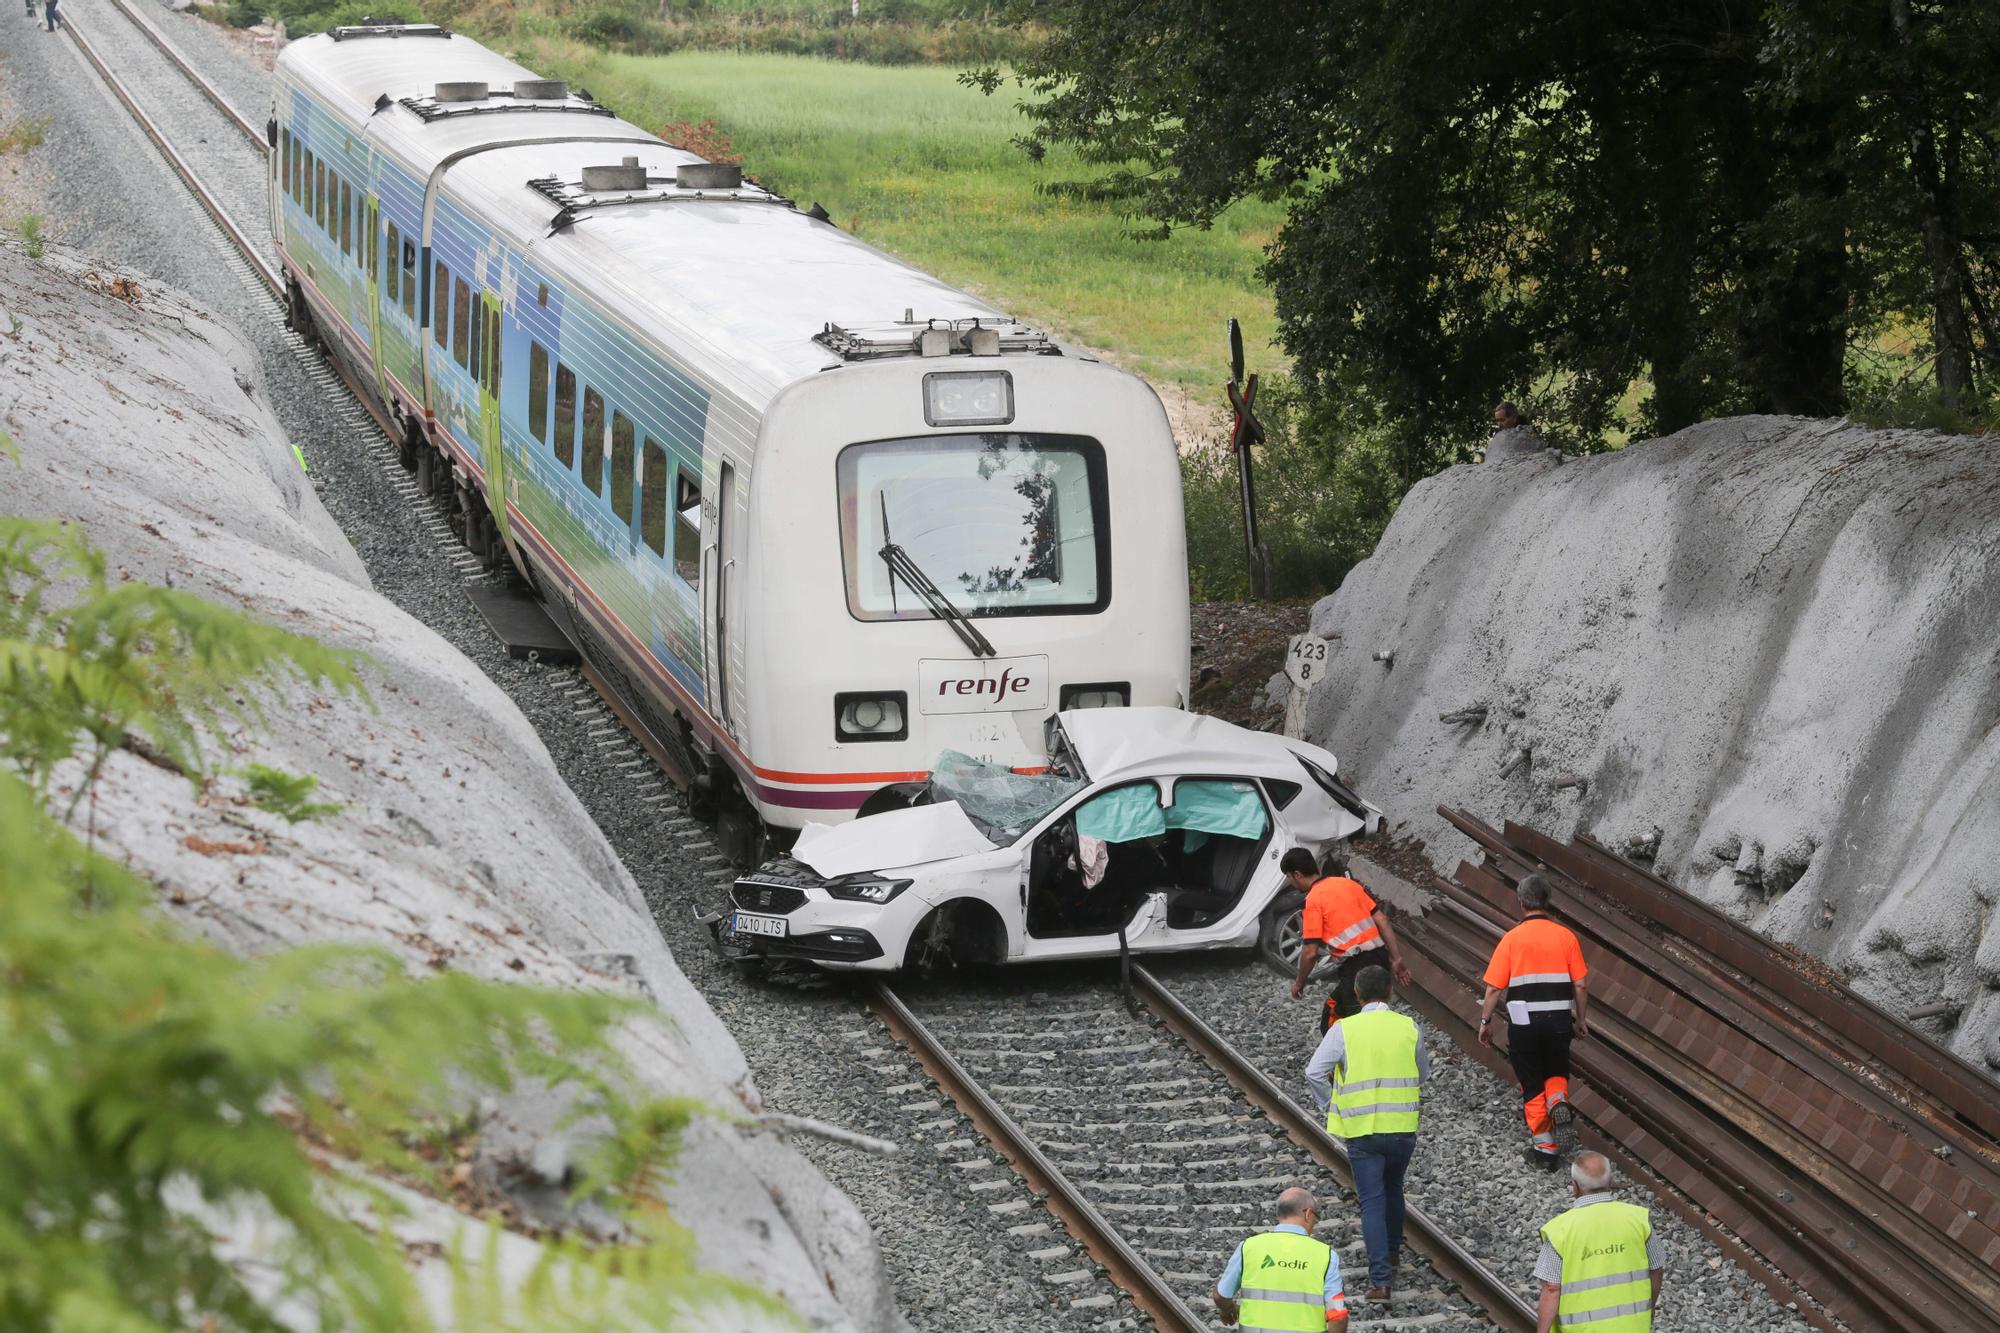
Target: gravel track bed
{"x":1155,"y":1137}
{"x":231,"y":166}
{"x":1468,"y":1173}
{"x":814,"y":1052}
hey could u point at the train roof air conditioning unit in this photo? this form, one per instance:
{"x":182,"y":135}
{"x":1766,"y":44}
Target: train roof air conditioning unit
{"x":627,"y":175}
{"x":465,"y":90}
{"x":541,"y":90}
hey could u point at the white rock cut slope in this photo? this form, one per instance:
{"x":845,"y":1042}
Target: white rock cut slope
{"x":459,"y":845}
{"x":1771,"y":646}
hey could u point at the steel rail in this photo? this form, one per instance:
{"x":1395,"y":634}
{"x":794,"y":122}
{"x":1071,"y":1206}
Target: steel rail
{"x":1849,"y":1184}
{"x":182,"y":167}
{"x":1481,"y":1284}
{"x":194,"y":76}
{"x":1087,"y":1225}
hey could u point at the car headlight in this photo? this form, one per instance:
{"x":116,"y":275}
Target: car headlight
{"x":871,"y":717}
{"x":1103,"y":694}
{"x":869,"y":890}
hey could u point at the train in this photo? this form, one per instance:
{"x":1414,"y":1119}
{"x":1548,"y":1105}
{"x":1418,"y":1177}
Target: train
{"x":816,"y":516}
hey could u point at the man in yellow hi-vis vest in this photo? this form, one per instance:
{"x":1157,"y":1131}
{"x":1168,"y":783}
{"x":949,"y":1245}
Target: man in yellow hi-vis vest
{"x":1283,"y":1280}
{"x":1377,"y":1063}
{"x":1600,"y":1266}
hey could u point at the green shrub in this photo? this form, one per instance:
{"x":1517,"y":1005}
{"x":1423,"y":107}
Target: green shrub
{"x":158,"y":1094}
{"x":1920,"y":405}
{"x":29,"y":229}
{"x":1323,"y":499}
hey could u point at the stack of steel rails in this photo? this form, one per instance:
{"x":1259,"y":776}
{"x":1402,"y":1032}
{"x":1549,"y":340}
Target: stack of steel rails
{"x":1822,"y":1141}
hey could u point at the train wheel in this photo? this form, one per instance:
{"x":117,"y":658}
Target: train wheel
{"x":298,"y":316}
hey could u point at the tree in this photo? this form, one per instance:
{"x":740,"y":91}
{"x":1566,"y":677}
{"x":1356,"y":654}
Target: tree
{"x":1546,"y":200}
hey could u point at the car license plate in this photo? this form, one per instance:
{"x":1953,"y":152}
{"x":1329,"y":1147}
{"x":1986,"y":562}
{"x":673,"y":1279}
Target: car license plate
{"x":744,"y":923}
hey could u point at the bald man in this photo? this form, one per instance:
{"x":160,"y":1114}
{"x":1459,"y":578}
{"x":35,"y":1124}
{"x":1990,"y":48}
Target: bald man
{"x":1283,"y":1278}
{"x":1601,"y":1265}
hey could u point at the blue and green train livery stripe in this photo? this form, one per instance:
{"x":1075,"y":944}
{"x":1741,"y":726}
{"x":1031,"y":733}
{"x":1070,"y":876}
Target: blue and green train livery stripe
{"x":633,"y":593}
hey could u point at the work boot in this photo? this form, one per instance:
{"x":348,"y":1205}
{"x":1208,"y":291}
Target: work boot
{"x":1379,"y":1296}
{"x":1544,"y":1161}
{"x":1562,"y":1122}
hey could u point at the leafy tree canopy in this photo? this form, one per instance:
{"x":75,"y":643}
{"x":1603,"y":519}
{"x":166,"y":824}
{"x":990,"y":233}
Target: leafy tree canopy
{"x":1728,"y":201}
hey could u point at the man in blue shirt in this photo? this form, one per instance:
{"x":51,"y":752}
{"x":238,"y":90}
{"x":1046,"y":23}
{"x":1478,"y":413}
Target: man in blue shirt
{"x":1298,"y":1214}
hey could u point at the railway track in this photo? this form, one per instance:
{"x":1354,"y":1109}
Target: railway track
{"x":254,"y":260}
{"x":1786,"y":1116}
{"x":1158,"y":1147}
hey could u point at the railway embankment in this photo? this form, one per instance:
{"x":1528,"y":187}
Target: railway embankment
{"x":140,"y":417}
{"x":1759,"y":653}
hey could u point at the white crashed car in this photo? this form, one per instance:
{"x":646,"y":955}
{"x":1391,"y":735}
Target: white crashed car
{"x":1157,"y":824}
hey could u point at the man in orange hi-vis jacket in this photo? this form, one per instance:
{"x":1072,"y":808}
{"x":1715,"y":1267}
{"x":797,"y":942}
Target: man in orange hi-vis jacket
{"x":1343,"y":918}
{"x":1537,"y":968}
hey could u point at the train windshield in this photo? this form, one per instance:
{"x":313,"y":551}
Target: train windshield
{"x":1002,"y":523}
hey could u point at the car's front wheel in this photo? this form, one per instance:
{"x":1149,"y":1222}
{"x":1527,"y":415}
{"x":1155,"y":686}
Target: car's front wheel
{"x":1281,"y":933}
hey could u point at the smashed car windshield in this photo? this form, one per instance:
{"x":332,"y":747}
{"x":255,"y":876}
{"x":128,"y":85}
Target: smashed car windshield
{"x":1002,"y":802}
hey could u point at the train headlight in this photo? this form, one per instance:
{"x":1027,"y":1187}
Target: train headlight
{"x":1104,"y":694}
{"x":871,"y":717}
{"x":969,"y":398}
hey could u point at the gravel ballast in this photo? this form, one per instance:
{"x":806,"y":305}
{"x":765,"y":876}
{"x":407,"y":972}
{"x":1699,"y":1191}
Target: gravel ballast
{"x":955,"y":1261}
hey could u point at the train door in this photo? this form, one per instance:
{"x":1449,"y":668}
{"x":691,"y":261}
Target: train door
{"x":488,"y":330}
{"x":715,"y":593}
{"x":374,"y":243}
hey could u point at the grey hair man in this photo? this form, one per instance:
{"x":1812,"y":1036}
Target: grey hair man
{"x":1284,"y":1278}
{"x":1513,"y":437}
{"x":1601,"y":1267}
{"x":1538,"y":969}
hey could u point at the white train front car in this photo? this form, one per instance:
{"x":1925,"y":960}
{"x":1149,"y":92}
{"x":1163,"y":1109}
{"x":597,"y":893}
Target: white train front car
{"x":956,"y":546}
{"x":817,"y":515}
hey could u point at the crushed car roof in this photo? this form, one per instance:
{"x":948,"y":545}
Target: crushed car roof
{"x":1144,"y":742}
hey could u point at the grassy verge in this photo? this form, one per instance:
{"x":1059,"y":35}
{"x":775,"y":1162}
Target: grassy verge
{"x":911,"y":161}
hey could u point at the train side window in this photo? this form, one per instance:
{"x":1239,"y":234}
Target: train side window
{"x":319,"y":193}
{"x":285,"y":160}
{"x":409,"y":278}
{"x":461,"y":322}
{"x":346,"y":218}
{"x":493,"y":330}
{"x":332,"y":205}
{"x":565,"y":415}
{"x":395,"y":245}
{"x":653,"y":499}
{"x":306,"y":183}
{"x":621,"y":468}
{"x":687,"y":529}
{"x":538,"y":390}
{"x":441,"y":306}
{"x":593,"y":441}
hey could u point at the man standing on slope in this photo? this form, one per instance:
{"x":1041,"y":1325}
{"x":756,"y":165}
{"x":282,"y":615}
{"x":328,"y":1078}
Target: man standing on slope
{"x":1283,"y":1280}
{"x":1377,"y":1065}
{"x":1343,"y":918}
{"x":1601,"y":1265}
{"x":1538,"y":969}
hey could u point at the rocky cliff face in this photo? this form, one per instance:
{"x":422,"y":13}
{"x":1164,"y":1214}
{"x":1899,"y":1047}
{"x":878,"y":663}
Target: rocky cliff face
{"x":459,"y":845}
{"x":1764,"y":652}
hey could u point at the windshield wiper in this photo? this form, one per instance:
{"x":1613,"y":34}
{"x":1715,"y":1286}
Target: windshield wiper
{"x":901,"y":566}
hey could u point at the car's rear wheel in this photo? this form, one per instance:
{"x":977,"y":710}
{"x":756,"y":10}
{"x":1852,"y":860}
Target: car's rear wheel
{"x":1281,"y":933}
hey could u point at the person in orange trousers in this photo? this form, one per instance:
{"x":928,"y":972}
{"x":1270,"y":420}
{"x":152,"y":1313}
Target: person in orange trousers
{"x":1538,"y":970}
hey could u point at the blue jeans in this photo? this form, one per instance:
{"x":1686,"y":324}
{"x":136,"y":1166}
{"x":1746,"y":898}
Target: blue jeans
{"x":1379,"y":1161}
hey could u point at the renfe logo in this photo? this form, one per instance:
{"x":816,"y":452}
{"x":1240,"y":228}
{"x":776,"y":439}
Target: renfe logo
{"x":982,"y":685}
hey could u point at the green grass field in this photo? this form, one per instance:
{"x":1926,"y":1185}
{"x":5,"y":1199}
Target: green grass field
{"x":911,"y":161}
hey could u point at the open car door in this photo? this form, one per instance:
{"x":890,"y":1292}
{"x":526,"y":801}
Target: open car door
{"x":1175,"y":862}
